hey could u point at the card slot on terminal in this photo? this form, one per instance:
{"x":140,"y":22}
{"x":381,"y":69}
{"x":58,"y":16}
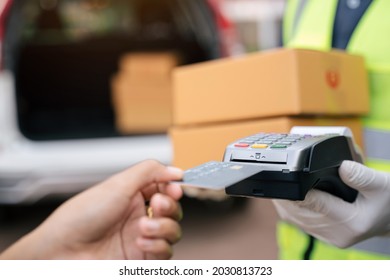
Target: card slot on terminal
{"x":250,"y":156}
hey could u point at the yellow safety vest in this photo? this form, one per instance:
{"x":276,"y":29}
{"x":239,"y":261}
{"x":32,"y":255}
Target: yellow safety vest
{"x":309,"y":24}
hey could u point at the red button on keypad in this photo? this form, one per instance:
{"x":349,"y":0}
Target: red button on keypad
{"x":241,"y":145}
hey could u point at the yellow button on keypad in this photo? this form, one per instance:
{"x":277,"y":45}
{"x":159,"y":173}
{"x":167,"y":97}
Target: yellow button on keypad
{"x":259,"y":146}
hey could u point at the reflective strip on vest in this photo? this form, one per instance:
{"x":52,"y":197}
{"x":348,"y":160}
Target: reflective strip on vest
{"x":380,"y":245}
{"x":317,"y":32}
{"x":298,"y":14}
{"x":377,"y":144}
{"x":288,"y":19}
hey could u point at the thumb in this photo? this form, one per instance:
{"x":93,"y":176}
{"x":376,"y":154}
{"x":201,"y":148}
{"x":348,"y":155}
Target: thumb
{"x":362,"y":178}
{"x":142,"y":175}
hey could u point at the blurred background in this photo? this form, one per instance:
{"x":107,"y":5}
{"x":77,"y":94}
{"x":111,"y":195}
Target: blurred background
{"x":85,"y":92}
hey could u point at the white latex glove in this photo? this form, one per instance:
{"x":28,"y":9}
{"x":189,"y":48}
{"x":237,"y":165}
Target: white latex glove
{"x":340,"y":223}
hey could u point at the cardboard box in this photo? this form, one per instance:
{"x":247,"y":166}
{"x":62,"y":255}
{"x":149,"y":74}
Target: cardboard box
{"x":149,"y":66}
{"x":271,"y":83}
{"x":141,"y":108}
{"x":195,"y":145}
{"x":142,"y":93}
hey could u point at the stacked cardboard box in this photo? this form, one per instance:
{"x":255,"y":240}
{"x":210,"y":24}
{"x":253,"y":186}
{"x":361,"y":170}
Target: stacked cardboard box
{"x":142,"y":92}
{"x":218,"y":102}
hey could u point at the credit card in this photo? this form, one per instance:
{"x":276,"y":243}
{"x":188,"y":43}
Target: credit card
{"x":218,"y":175}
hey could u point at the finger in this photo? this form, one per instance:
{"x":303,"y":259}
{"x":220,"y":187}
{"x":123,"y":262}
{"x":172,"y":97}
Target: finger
{"x":165,"y":206}
{"x":172,"y":189}
{"x":156,"y":249}
{"x":317,"y":201}
{"x":291,"y":212}
{"x":142,"y":175}
{"x":204,"y":194}
{"x":328,"y":205}
{"x":160,"y":228}
{"x":360,"y":177}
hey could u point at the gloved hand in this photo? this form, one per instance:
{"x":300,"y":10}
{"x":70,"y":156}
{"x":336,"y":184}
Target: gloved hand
{"x":340,"y":223}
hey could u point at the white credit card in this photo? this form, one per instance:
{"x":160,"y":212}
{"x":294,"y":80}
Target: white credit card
{"x":218,"y":175}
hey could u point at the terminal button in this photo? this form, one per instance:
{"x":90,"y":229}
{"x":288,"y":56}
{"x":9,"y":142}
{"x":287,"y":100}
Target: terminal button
{"x":241,"y":145}
{"x":259,"y":146}
{"x":278,"y":146}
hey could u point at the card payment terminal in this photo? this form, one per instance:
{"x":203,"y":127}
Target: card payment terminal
{"x":292,"y":164}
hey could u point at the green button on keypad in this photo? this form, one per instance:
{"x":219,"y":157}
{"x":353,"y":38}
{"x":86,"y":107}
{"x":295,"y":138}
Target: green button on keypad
{"x":278,"y":146}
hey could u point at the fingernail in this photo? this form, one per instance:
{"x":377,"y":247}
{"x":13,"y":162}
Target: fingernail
{"x":175,"y":171}
{"x":181,"y":215}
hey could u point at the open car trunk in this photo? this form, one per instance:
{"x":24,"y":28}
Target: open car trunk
{"x":64,"y":53}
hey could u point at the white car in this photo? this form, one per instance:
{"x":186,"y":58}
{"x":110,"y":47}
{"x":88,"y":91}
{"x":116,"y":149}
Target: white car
{"x":53,"y":115}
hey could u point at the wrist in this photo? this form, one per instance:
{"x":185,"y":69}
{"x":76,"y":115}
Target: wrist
{"x":32,"y":246}
{"x":23,"y":249}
